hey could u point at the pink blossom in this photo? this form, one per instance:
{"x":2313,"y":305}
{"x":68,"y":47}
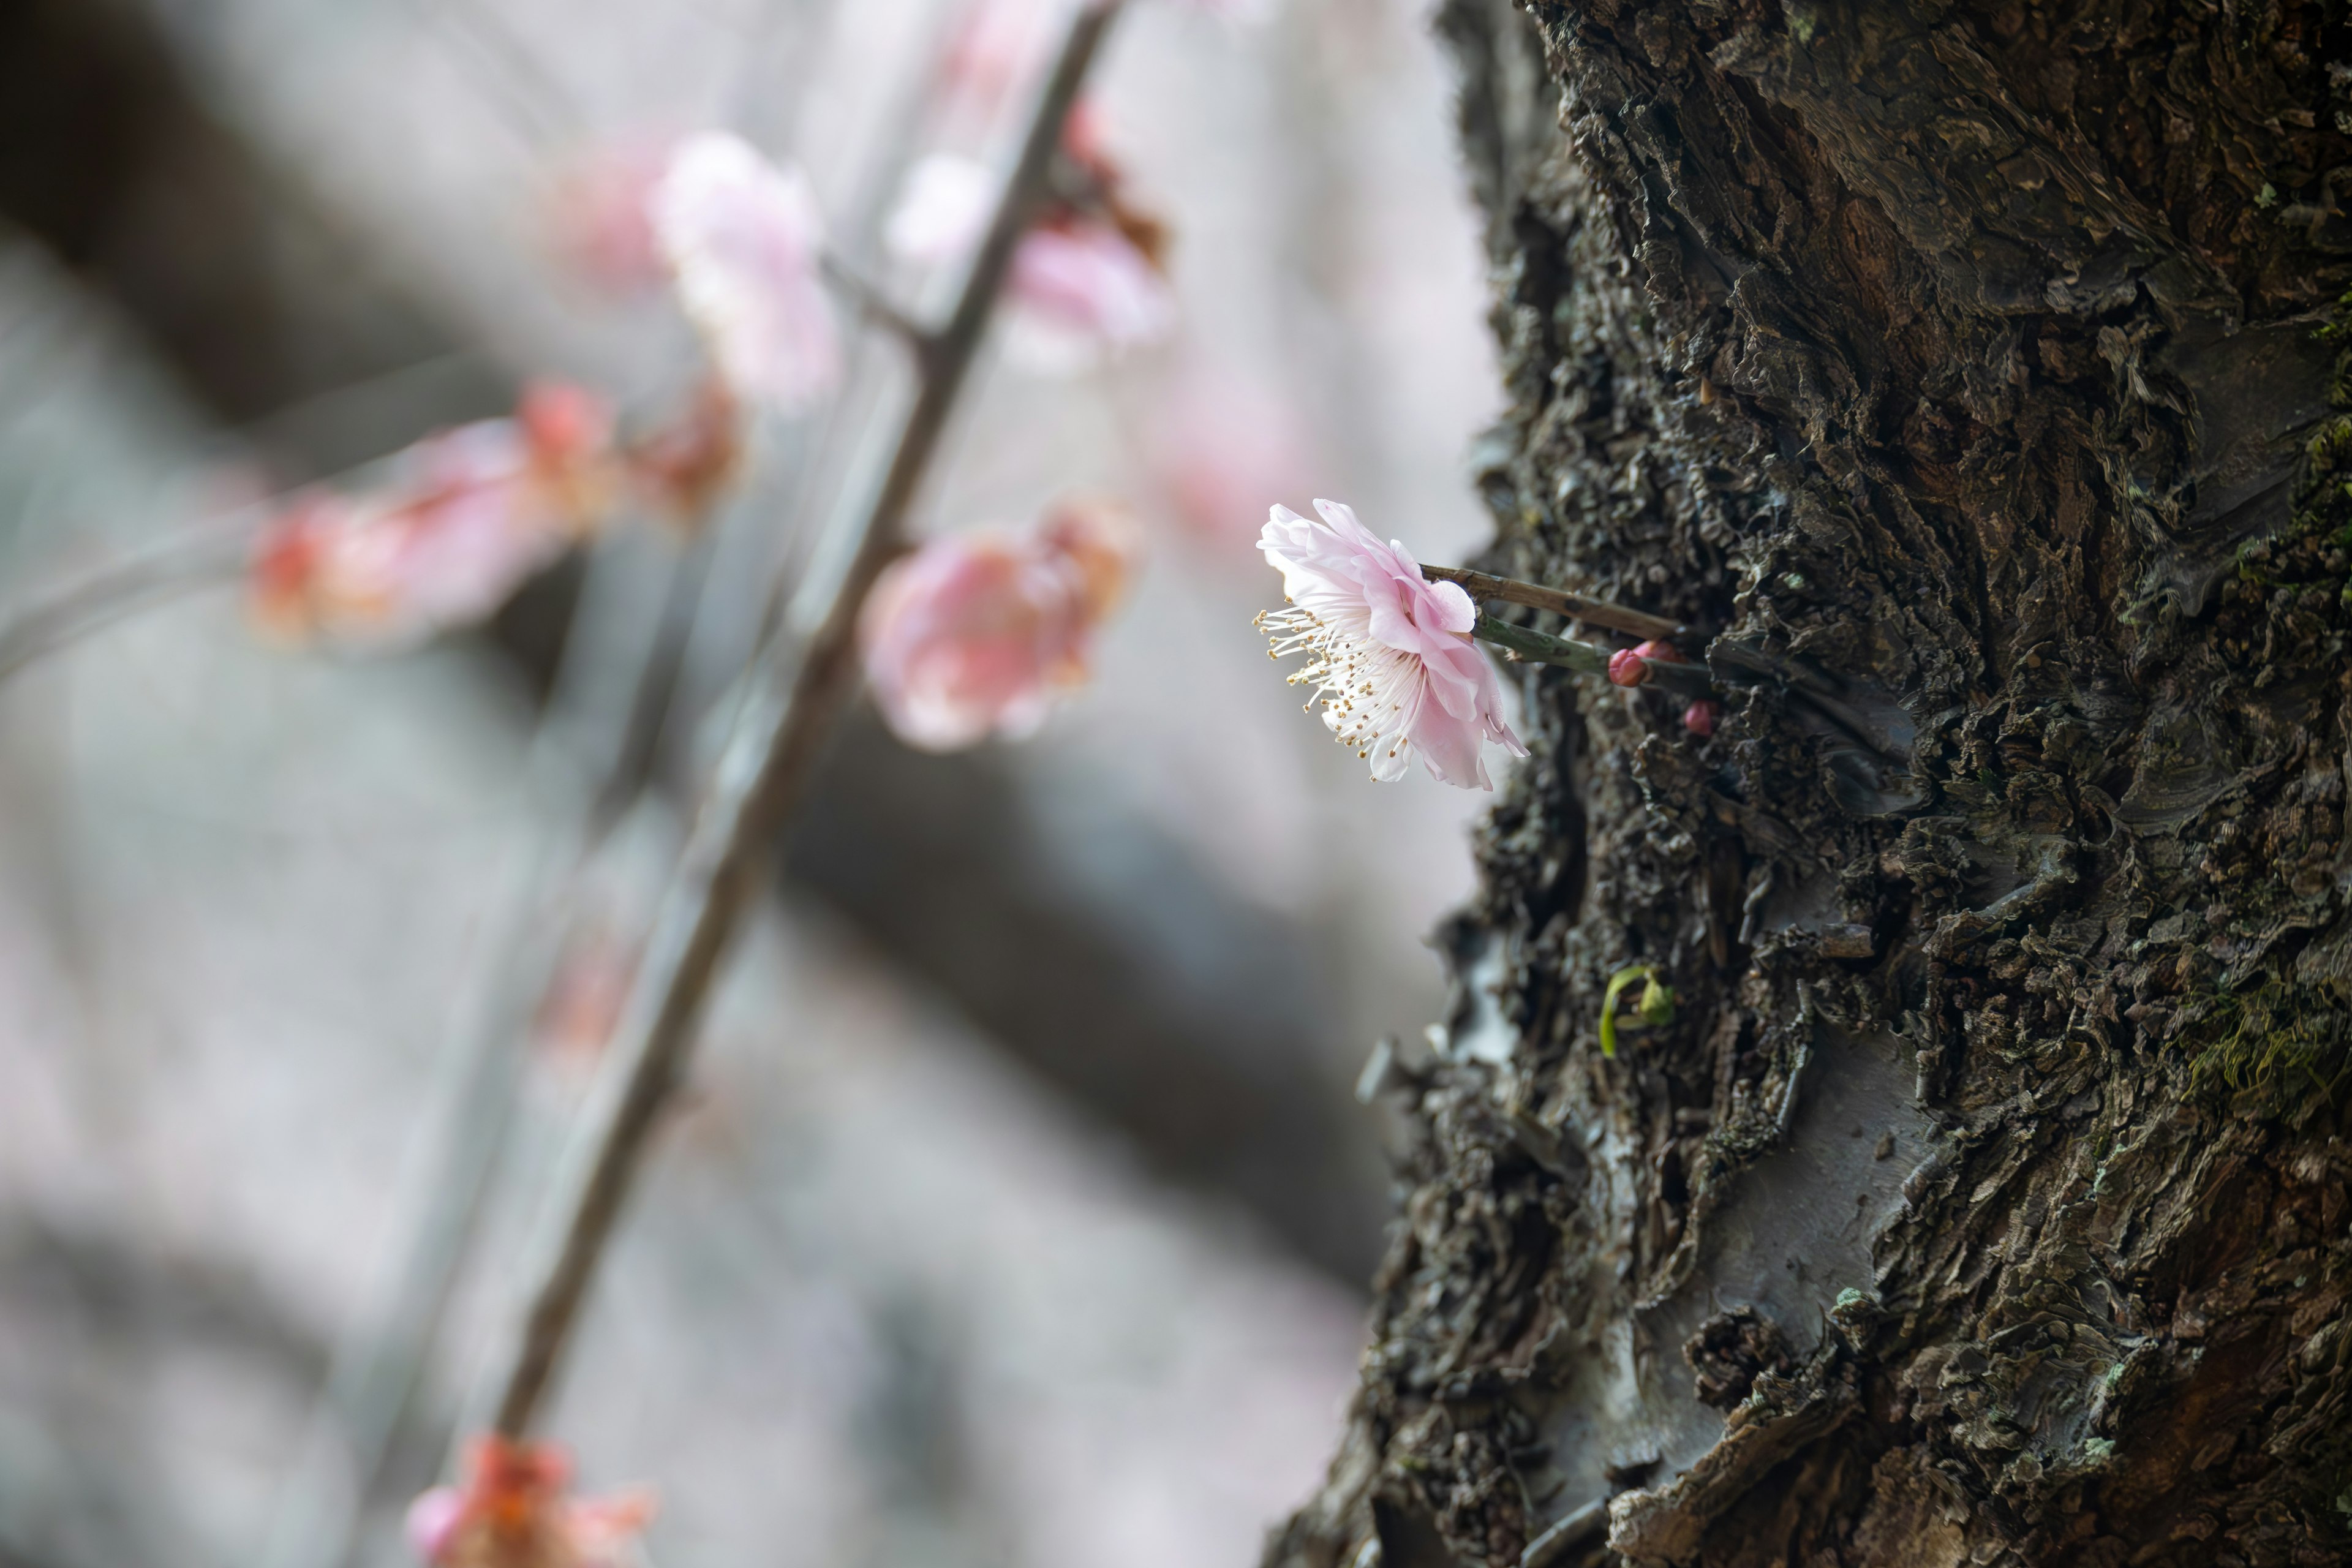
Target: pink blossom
{"x":745,"y":241}
{"x":980,"y":631}
{"x":943,"y":210}
{"x":1087,"y":281}
{"x":1085,"y":290}
{"x":514,"y":1511}
{"x":600,"y":215}
{"x":466,"y":515}
{"x":1392,"y":657}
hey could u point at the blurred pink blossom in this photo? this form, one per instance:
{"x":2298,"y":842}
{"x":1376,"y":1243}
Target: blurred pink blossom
{"x":1218,"y":443}
{"x":468,"y":514}
{"x":1086,"y":291}
{"x":600,"y":215}
{"x":980,"y":631}
{"x":1087,"y":281}
{"x":682,"y":467}
{"x":1392,"y":655}
{"x":513,"y":1512}
{"x":746,"y":241}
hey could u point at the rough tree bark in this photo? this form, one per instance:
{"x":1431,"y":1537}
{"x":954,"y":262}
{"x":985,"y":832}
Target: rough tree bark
{"x":1969,"y":367}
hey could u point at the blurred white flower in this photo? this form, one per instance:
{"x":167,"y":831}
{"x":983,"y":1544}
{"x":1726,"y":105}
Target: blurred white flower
{"x":1086,"y":292}
{"x":746,"y":241}
{"x":942,"y":211}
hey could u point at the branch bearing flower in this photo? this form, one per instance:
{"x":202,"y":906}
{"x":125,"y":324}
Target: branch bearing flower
{"x":1390,"y":652}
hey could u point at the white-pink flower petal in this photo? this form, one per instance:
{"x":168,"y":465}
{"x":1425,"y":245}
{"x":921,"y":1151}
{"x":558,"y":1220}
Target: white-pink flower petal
{"x":942,"y":212}
{"x":745,"y":241}
{"x":1389,"y":651}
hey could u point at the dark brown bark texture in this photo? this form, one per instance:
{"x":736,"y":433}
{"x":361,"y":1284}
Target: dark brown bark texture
{"x":1988,"y":1198}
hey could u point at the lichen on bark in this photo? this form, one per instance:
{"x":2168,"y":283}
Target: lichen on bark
{"x":1967,"y":369}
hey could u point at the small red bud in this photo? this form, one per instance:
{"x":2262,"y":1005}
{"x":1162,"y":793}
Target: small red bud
{"x":1699,"y":719}
{"x":1626,"y":668}
{"x":1664,"y":652}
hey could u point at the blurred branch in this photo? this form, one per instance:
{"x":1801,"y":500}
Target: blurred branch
{"x":584,"y":764}
{"x":1199,"y":1024}
{"x":804,"y":678}
{"x":876,"y":307}
{"x":123,"y":588}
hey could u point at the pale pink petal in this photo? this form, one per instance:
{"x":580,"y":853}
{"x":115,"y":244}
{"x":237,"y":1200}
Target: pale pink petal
{"x":1388,"y":650}
{"x":604,"y":1531}
{"x":977,"y":633}
{"x":942,"y":211}
{"x":462,"y":520}
{"x":432,"y":1518}
{"x":1455,"y":611}
{"x":603,"y":233}
{"x":745,"y":241}
{"x":1083,"y":289}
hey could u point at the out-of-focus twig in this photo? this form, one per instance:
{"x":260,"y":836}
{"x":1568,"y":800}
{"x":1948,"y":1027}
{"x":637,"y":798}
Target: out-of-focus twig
{"x":580,"y":752}
{"x":106,"y":595}
{"x":806,"y":675}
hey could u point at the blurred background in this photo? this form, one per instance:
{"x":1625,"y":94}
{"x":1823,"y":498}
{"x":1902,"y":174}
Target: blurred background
{"x":1020,"y":1207}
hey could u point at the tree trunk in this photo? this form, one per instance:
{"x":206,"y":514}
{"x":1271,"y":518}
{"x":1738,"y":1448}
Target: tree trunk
{"x":1965,"y":368}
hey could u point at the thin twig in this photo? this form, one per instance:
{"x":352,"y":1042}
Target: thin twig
{"x":876,"y":307}
{"x":1598,"y":612}
{"x":578,"y":750}
{"x":106,"y":595}
{"x":807,"y":673}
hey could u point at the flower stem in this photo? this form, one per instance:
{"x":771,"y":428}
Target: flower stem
{"x":1535,"y":595}
{"x":1542,"y":648}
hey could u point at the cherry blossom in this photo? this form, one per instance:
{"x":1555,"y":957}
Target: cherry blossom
{"x":465,"y":517}
{"x":943,"y":210}
{"x":600,"y":215}
{"x":1089,"y":280}
{"x":745,"y":241}
{"x":514,"y":1511}
{"x":979,"y":633}
{"x":1391,"y":652}
{"x":680,"y":469}
{"x":1086,"y":291}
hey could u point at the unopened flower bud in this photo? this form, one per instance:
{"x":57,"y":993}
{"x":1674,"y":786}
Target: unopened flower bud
{"x":1626,"y":668}
{"x":1699,"y":719}
{"x":1663,"y":652}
